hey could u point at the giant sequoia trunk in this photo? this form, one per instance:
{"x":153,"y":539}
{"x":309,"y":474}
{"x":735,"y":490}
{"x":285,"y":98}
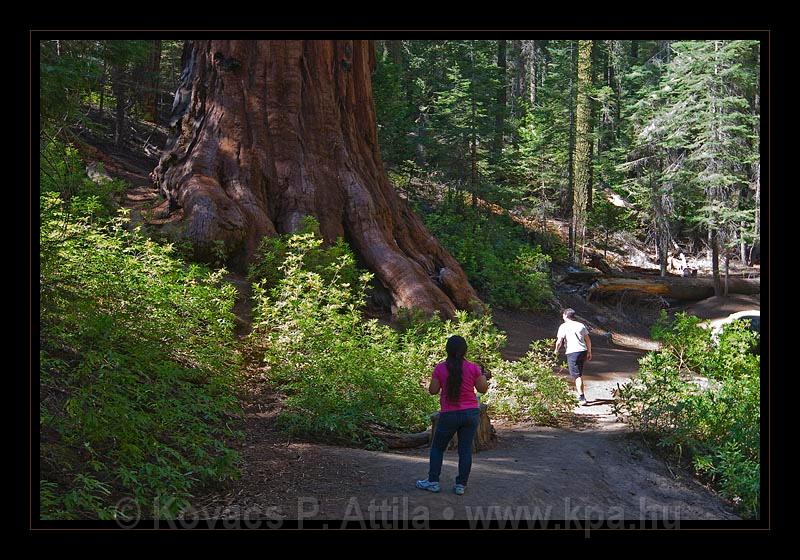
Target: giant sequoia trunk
{"x":267,"y":132}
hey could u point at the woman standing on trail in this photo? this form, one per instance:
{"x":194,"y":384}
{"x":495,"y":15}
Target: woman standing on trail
{"x":456,"y":380}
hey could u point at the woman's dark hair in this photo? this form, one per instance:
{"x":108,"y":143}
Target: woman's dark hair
{"x":456,"y":350}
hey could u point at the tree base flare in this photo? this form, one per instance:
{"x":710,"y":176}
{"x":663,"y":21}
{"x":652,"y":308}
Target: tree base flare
{"x":267,"y":132}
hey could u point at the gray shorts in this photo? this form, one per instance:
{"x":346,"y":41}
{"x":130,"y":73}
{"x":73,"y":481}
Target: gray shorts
{"x":575,"y":361}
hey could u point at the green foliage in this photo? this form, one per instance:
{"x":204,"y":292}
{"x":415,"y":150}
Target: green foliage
{"x":72,"y":72}
{"x":63,"y":171}
{"x":701,"y":400}
{"x":496,"y":256}
{"x":67,"y":69}
{"x":515,"y":382}
{"x":338,"y":372}
{"x":137,"y":369}
{"x":391,"y":112}
{"x":268,"y":264}
{"x":343,"y":377}
{"x":674,"y":129}
{"x":606,"y":219}
{"x":696,"y":149}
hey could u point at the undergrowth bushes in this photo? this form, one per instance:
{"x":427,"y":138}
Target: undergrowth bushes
{"x":137,"y":367}
{"x":496,"y":255}
{"x":700,"y":400}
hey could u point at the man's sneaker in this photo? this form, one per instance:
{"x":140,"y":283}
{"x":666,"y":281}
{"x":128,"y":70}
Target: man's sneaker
{"x":429,"y":486}
{"x":582,"y":400}
{"x":459,"y":489}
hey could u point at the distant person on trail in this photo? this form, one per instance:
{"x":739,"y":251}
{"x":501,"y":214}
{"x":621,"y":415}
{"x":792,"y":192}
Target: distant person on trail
{"x":678,"y":264}
{"x":456,"y":380}
{"x":579,"y":348}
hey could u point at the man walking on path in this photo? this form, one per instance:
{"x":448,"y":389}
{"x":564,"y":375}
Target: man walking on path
{"x":579,"y":348}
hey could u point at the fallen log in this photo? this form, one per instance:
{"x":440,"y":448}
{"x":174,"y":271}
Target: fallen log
{"x":674,"y":288}
{"x":485,"y":437}
{"x":403,"y":441}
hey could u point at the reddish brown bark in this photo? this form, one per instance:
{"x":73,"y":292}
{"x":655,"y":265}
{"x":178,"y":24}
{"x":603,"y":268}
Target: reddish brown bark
{"x":267,"y":132}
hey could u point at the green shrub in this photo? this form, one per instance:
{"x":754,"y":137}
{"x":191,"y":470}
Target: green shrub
{"x":527,"y":389}
{"x":137,"y":370}
{"x":342,"y":376}
{"x":339,"y":373}
{"x":272,"y":252}
{"x":496,"y":256}
{"x":701,"y":401}
{"x":63,"y":172}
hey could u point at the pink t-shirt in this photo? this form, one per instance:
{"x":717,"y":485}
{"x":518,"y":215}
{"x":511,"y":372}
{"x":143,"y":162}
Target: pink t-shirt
{"x":469,"y":373}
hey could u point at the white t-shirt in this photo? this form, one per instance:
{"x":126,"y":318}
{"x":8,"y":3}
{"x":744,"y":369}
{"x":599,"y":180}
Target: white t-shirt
{"x":573,"y":332}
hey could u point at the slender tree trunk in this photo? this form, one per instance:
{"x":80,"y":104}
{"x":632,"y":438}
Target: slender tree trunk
{"x":532,"y":73}
{"x":543,"y":189}
{"x":501,"y":100}
{"x":742,"y":245}
{"x":715,"y":195}
{"x":152,"y":82}
{"x":118,"y":89}
{"x":103,"y":88}
{"x":758,"y":205}
{"x":710,"y":251}
{"x":613,"y":83}
{"x":544,"y":58}
{"x":757,"y":169}
{"x":590,"y":170}
{"x":660,"y":233}
{"x":519,"y":72}
{"x":473,"y":132}
{"x":583,"y":146}
{"x":757,"y":225}
{"x":567,"y":204}
{"x":727,"y":272}
{"x":715,"y":262}
{"x":273,"y":131}
{"x":396,"y":51}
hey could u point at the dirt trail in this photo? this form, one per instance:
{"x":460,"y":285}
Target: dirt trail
{"x":599,"y":470}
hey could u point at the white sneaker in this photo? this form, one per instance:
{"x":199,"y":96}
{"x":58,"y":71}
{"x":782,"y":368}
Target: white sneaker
{"x":429,"y":486}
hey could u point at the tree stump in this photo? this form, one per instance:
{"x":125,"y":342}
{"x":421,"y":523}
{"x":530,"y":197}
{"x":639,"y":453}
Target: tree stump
{"x":485,"y":437}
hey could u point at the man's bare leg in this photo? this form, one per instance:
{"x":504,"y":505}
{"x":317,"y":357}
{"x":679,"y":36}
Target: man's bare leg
{"x":579,"y":387}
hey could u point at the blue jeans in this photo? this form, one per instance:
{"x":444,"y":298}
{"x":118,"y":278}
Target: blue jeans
{"x":465,"y":424}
